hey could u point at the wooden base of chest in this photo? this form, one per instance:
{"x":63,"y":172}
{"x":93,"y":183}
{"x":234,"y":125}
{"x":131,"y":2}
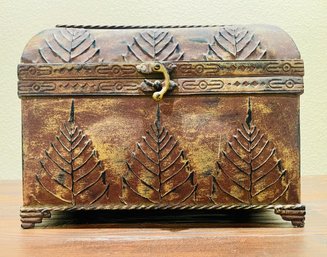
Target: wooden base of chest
{"x":293,"y":213}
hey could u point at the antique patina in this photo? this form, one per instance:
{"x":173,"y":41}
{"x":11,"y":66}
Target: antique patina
{"x":185,"y":117}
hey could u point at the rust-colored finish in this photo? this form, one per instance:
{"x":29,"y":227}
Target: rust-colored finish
{"x":223,"y":133}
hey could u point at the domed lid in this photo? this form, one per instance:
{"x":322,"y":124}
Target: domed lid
{"x":94,"y":44}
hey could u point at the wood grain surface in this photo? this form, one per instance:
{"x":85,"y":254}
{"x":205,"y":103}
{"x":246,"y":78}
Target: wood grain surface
{"x":174,"y":234}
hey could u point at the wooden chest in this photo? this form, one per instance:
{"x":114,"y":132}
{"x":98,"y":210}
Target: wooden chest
{"x":188,"y":117}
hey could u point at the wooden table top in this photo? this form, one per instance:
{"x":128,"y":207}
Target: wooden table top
{"x":241,"y":234}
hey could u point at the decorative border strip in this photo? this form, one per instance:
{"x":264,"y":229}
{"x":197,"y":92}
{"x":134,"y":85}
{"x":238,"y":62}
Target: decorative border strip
{"x":241,"y":85}
{"x":163,"y":207}
{"x":212,"y":69}
{"x":185,"y":86}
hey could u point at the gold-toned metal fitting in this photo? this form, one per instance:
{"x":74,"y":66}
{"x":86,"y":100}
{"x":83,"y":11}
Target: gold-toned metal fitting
{"x":156,"y":67}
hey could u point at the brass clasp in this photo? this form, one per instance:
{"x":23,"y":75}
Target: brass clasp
{"x":157,"y":67}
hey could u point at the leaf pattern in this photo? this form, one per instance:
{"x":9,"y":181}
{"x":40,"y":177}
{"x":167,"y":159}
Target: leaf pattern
{"x":71,"y":171}
{"x":249,"y":171}
{"x":69,"y":45}
{"x":158,"y":171}
{"x":235,"y":43}
{"x":153,"y":45}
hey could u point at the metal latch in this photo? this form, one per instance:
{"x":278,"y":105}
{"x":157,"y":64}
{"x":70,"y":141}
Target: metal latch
{"x":157,"y":67}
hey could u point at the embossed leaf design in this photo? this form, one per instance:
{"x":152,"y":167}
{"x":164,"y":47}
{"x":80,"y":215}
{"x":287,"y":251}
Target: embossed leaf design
{"x":69,"y":45}
{"x":249,"y":171}
{"x":71,"y":171}
{"x":153,"y":45}
{"x":235,"y":43}
{"x":158,"y":171}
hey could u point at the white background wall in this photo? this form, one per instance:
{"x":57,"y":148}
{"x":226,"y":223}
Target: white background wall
{"x":304,"y":20}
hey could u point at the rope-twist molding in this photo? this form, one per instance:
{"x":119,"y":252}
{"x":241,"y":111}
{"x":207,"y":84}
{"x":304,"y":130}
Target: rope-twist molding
{"x":161,"y":207}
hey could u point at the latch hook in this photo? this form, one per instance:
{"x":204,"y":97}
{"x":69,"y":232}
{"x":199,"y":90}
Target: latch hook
{"x":156,"y":67}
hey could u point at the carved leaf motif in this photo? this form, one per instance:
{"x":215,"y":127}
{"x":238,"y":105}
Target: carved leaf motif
{"x":249,"y":171}
{"x":69,"y":46}
{"x":153,"y":45}
{"x":235,"y":43}
{"x":158,"y":171}
{"x":71,"y":171}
